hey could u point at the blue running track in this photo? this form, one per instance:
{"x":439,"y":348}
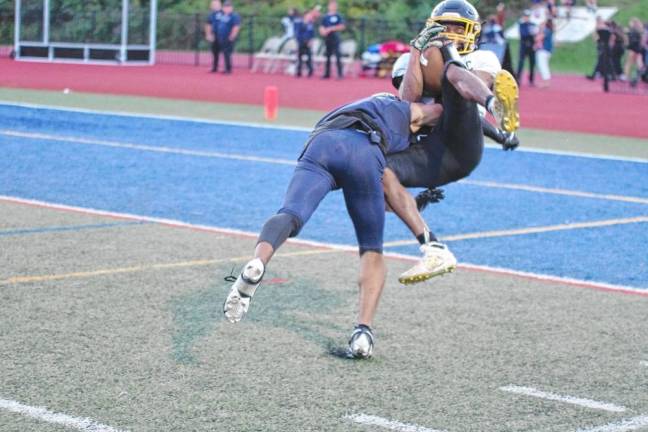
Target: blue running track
{"x":234,"y":176}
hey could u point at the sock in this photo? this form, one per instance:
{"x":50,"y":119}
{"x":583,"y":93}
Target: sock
{"x":490,"y":103}
{"x":426,"y":237}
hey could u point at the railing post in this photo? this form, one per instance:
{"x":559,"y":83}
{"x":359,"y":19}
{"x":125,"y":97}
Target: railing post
{"x":251,"y":42}
{"x":197,"y":39}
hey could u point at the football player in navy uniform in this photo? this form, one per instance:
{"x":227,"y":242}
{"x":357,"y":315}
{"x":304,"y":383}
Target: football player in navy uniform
{"x":452,"y":149}
{"x":330,"y":28}
{"x":347,"y":151}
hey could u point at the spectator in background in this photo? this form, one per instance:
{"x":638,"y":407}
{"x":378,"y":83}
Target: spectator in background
{"x":330,"y":28}
{"x":552,"y":11}
{"x":288,"y":23}
{"x":591,"y":6}
{"x":602,"y":36}
{"x":617,"y":49}
{"x":636,"y":46}
{"x":228,"y":29}
{"x":492,"y":38}
{"x":568,"y":5}
{"x":528,"y":31}
{"x":544,"y":48}
{"x":211,"y":30}
{"x":305,"y":32}
{"x":500,"y":13}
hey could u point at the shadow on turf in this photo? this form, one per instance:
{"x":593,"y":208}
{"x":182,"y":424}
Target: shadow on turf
{"x":200,"y":312}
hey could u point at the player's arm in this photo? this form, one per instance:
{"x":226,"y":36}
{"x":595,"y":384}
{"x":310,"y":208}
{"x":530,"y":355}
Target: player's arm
{"x":424,"y":115}
{"x":411,"y":89}
{"x":485,"y":76}
{"x":209,"y":33}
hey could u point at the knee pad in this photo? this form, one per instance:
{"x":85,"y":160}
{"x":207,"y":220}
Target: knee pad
{"x":278,"y":228}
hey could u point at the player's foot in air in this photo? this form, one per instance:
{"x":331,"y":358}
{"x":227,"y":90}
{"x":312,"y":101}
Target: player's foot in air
{"x":437,"y":260}
{"x":505,"y":106}
{"x":361,"y":343}
{"x":238,"y":300}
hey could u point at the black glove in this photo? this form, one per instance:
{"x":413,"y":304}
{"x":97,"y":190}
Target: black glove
{"x":428,"y":196}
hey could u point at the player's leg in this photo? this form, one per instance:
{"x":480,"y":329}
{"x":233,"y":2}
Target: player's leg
{"x":338,"y":59}
{"x":215,"y":47}
{"x":327,"y":65}
{"x":360,"y":180}
{"x":228,"y":49}
{"x":309,"y":185}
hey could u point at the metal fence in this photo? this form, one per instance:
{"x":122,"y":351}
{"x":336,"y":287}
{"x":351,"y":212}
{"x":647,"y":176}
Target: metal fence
{"x":180,"y":37}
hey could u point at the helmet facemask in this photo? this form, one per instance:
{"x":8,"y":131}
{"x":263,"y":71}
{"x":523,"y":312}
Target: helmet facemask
{"x":464,"y":42}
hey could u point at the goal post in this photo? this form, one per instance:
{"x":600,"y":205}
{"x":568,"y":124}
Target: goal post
{"x":122,"y":32}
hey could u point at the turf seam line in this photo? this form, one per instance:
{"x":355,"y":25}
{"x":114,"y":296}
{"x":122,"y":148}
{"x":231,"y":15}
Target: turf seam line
{"x":74,"y":228}
{"x":583,"y":402}
{"x":43,"y":414}
{"x":371,"y":420}
{"x":146,"y":267}
{"x":288,"y":162}
{"x":601,"y":286}
{"x":527,"y":231}
{"x":624,"y":425}
{"x":291,"y":128}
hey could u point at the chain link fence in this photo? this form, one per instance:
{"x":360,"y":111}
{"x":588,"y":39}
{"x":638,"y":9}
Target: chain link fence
{"x":181,"y":37}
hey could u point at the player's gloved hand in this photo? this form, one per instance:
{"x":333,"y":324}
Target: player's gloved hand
{"x":511,"y":141}
{"x":428,"y":196}
{"x":427,"y":36}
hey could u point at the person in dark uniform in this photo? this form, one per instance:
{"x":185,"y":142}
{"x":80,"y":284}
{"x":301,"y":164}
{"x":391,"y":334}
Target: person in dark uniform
{"x":330,"y":28}
{"x":305,"y":32}
{"x":211,"y":30}
{"x":346,"y":151}
{"x":453,"y":148}
{"x":229,"y":24}
{"x":528,"y":32}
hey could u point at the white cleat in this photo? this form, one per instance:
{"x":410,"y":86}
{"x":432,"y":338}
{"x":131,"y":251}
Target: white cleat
{"x":437,"y":260}
{"x":238,"y":300}
{"x":361,"y":343}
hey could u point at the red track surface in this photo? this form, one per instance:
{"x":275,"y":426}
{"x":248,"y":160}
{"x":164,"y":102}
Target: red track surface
{"x":571,"y":104}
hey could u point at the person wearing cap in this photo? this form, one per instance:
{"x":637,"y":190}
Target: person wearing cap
{"x":211,"y":29}
{"x":528,"y":31}
{"x":227,"y":30}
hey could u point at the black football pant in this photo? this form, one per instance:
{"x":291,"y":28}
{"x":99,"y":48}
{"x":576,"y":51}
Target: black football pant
{"x":451,"y":151}
{"x":304,"y":50}
{"x":333,"y":48}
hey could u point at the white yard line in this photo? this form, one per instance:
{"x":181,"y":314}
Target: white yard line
{"x":631,"y":424}
{"x":369,"y":420}
{"x":41,"y":413}
{"x":587,"y":403}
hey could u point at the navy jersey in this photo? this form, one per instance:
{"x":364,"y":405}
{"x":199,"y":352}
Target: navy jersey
{"x":226,"y":22}
{"x":390,"y":114}
{"x":213,"y":20}
{"x":304,"y":31}
{"x":331,"y":20}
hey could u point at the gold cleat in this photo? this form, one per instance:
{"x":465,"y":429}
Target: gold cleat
{"x":505,"y":108}
{"x":436,"y":261}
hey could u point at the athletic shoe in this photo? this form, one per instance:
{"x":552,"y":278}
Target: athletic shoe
{"x":437,"y":260}
{"x":238,"y":300}
{"x":361,"y":343}
{"x":505,"y":106}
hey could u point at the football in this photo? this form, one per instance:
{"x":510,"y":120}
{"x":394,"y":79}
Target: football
{"x":432,"y":71}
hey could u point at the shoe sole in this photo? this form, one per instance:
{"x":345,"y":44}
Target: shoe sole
{"x":507,"y":92}
{"x":232,"y":303}
{"x":410,"y":280}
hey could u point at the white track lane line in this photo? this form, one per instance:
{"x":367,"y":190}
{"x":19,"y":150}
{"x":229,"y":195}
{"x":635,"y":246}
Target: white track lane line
{"x":369,"y":420}
{"x":631,"y":424}
{"x":586,"y":403}
{"x":289,"y":162}
{"x":41,"y":413}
